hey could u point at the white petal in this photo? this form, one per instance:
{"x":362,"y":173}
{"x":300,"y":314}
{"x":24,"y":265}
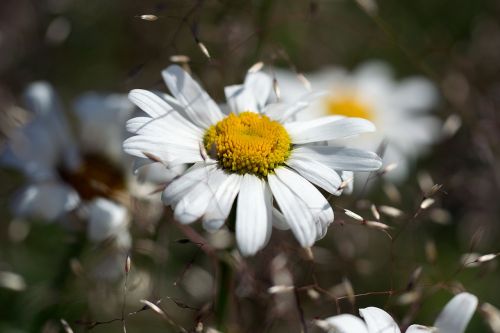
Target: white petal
{"x":173,"y":103}
{"x":297,"y":214}
{"x":156,"y":173}
{"x":101,"y":123}
{"x":416,"y":94}
{"x":317,"y":173}
{"x":283,"y":112}
{"x":252,"y":95}
{"x":326,"y":129}
{"x":212,"y":226}
{"x":260,"y":85}
{"x":340,"y":158}
{"x":165,"y":122}
{"x":419,"y":329}
{"x":374,"y":70}
{"x":195,"y":202}
{"x":174,"y":192}
{"x":321,"y":210}
{"x":456,"y":314}
{"x":239,"y":99}
{"x":279,"y":220}
{"x":42,"y":99}
{"x":150,"y":103}
{"x":199,"y":107}
{"x":290,"y":85}
{"x":167,"y":152}
{"x":167,"y":135}
{"x":253,"y":215}
{"x":346,"y":323}
{"x":171,"y":128}
{"x":46,"y":201}
{"x":218,"y":209}
{"x":32,"y":150}
{"x":348,"y":178}
{"x":378,"y":320}
{"x":106,"y":219}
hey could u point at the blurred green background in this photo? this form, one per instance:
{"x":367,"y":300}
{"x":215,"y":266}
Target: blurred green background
{"x":105,"y":46}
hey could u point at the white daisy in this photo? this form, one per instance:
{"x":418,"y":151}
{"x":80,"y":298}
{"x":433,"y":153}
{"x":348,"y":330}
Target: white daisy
{"x":399,"y":109}
{"x":248,"y":154}
{"x":453,"y":319}
{"x":85,"y":176}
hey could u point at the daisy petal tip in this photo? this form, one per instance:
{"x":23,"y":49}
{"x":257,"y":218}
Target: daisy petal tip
{"x":249,"y":248}
{"x":377,"y":320}
{"x":367,"y":124}
{"x":468,"y":297}
{"x":184,"y":217}
{"x":136,"y":95}
{"x":307,"y":242}
{"x":457,"y":313}
{"x":39,"y":88}
{"x":247,"y":251}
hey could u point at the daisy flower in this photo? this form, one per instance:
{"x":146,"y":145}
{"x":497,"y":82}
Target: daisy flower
{"x":68,"y":176}
{"x":453,"y":319}
{"x":399,"y":109}
{"x":249,"y":155}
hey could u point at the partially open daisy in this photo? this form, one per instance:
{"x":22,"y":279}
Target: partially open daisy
{"x":251,"y":155}
{"x":399,"y":109}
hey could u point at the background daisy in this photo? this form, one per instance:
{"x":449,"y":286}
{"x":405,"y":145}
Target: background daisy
{"x":83,"y":176}
{"x":399,"y":108}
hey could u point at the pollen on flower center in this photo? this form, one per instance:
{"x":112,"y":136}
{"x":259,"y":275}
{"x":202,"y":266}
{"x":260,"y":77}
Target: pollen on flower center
{"x":348,"y":106}
{"x":248,"y":143}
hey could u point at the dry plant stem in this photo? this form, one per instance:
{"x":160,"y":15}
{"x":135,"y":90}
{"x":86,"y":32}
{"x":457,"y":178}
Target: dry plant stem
{"x":125,"y":290}
{"x":300,"y":310}
{"x":196,"y":238}
{"x":89,"y":325}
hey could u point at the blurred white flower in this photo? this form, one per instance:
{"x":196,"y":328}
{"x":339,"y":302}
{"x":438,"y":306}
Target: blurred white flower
{"x":252,"y":153}
{"x":85,"y":175}
{"x":454,"y":318}
{"x":399,"y":109}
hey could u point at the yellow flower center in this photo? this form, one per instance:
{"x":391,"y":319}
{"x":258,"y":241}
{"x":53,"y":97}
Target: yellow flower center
{"x":248,"y":143}
{"x":348,"y":106}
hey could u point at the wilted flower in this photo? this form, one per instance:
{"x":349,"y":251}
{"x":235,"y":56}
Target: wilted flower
{"x":398,"y":109}
{"x":252,"y":153}
{"x":453,"y":319}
